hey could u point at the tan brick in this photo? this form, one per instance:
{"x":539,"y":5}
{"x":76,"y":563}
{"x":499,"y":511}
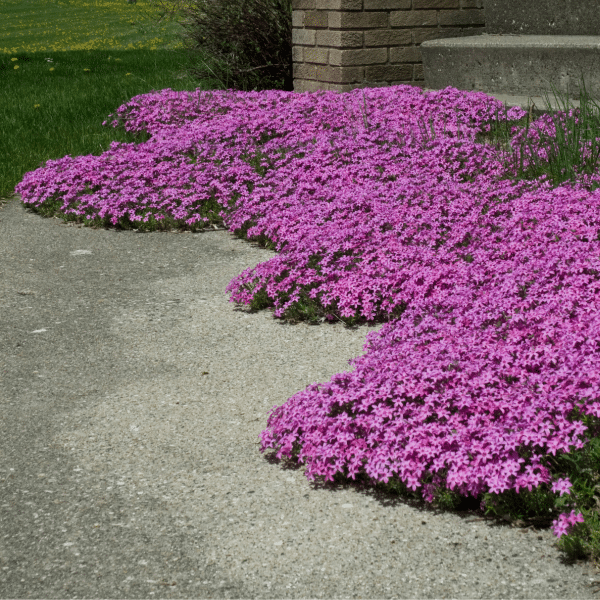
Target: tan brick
{"x":308,"y":85}
{"x":340,"y":74}
{"x":388,"y":72}
{"x":304,"y":37}
{"x":346,"y":87}
{"x":409,"y":54}
{"x":339,"y":39}
{"x":305,"y":71}
{"x":298,"y":18}
{"x":298,"y":54}
{"x":339,"y":4}
{"x":418,"y":4}
{"x":414,"y":18}
{"x":422,"y":35}
{"x":471,"y":4}
{"x":315,"y":18}
{"x":362,"y":56}
{"x":387,"y":37}
{"x":316,"y":55}
{"x":461,"y":17}
{"x":366,"y":85}
{"x":358,"y":20}
{"x":418,"y":73}
{"x":303,"y":5}
{"x":387,"y":4}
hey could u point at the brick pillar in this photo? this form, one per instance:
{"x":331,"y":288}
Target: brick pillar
{"x":344,"y":44}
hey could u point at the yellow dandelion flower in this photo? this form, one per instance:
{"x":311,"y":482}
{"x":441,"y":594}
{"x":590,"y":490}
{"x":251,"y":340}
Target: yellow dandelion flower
{"x":51,"y":68}
{"x":86,"y":70}
{"x":127,"y":74}
{"x":13,"y":59}
{"x":36,"y":106}
{"x":16,"y":67}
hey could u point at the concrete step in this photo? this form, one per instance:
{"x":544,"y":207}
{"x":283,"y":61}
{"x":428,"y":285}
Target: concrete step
{"x":542,"y":17}
{"x":518,"y":65}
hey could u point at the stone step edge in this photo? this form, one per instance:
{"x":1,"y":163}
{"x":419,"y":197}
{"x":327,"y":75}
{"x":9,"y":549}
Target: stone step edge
{"x":580,"y":42}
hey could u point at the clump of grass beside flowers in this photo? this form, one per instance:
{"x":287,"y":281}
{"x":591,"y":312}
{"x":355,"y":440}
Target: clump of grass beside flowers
{"x":560,"y":144}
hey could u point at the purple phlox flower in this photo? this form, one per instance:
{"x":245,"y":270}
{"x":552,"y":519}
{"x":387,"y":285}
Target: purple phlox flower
{"x":565,"y":522}
{"x":562,"y":485}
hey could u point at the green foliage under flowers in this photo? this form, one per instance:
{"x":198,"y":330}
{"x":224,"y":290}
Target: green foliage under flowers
{"x":584,"y":539}
{"x":304,"y":309}
{"x":241,"y":45}
{"x":536,"y":506}
{"x":444,"y":499}
{"x":583,"y":469}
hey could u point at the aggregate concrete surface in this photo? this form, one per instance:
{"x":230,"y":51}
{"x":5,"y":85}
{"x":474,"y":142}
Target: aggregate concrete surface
{"x":132,"y":396}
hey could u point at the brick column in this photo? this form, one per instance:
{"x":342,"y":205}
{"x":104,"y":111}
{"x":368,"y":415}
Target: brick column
{"x":344,"y":44}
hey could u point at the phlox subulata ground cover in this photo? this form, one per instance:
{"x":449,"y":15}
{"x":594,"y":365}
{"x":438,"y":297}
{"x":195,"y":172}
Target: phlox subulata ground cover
{"x":383,"y":206}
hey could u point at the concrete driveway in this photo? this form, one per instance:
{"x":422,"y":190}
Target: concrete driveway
{"x":132,"y":394}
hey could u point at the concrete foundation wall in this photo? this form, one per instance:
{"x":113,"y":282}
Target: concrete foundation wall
{"x":344,"y":44}
{"x":543,"y":17}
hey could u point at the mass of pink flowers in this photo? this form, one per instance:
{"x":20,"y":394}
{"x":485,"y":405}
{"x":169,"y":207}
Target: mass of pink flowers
{"x":383,"y":205}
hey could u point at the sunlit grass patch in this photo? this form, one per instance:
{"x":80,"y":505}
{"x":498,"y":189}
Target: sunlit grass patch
{"x":65,"y":25}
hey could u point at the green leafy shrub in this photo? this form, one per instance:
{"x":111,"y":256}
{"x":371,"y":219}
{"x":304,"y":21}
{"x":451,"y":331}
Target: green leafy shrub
{"x":244,"y":45}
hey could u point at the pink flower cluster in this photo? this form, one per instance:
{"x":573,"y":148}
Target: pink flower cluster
{"x":565,"y":522}
{"x":382,"y":205}
{"x":562,"y":485}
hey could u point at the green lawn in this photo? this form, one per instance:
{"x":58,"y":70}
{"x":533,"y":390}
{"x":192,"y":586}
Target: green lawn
{"x":62,"y":25}
{"x":53,"y":102}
